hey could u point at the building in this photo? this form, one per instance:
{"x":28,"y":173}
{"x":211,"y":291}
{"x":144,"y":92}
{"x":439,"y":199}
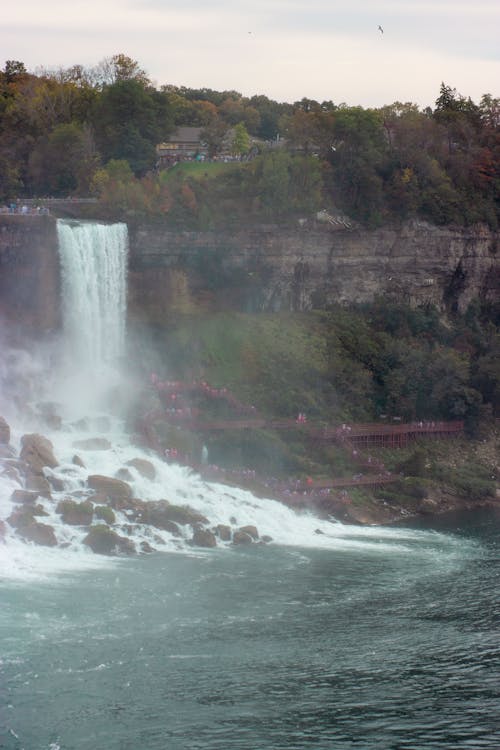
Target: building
{"x":184,"y":144}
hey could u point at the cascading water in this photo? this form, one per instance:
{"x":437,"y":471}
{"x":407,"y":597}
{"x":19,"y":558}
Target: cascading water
{"x":93,"y":268}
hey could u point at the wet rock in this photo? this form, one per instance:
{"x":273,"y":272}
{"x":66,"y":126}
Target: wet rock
{"x":104,"y":541}
{"x":161,"y":511}
{"x":125,"y":475}
{"x":37,"y":451}
{"x":4,"y":432}
{"x":75,"y":514}
{"x":251,"y":531}
{"x":93,"y":444}
{"x":40,"y":533}
{"x":146,"y":547}
{"x":105,"y":513}
{"x":56,"y":483}
{"x":114,"y":489}
{"x":132,"y":506}
{"x":6,"y":451}
{"x":24,"y":497}
{"x":145,"y":468}
{"x":266,"y":539}
{"x":38,"y":484}
{"x":39,"y":510}
{"x":204,"y":538}
{"x":3,"y":530}
{"x":77,"y":461}
{"x":223,"y":532}
{"x":241,"y":537}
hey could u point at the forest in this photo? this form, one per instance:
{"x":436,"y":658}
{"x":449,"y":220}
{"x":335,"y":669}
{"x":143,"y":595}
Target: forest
{"x":93,"y":132}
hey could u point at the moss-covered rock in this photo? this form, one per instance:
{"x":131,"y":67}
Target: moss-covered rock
{"x":105,"y":513}
{"x":75,"y":514}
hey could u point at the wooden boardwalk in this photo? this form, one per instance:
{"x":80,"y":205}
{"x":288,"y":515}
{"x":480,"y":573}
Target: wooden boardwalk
{"x":354,"y":438}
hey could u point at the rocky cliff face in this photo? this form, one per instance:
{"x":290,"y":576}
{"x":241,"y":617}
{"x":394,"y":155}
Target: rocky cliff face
{"x":267,"y":268}
{"x":272,"y":268}
{"x":29,"y":272}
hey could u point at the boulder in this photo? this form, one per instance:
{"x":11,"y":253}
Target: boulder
{"x":146,"y":547}
{"x":37,"y":451}
{"x":3,"y":530}
{"x":105,"y":513}
{"x":251,"y":531}
{"x":223,"y":532}
{"x":241,"y":537}
{"x":56,"y":483}
{"x":145,"y":468}
{"x":266,"y":539}
{"x":31,"y":530}
{"x":6,"y":451}
{"x":4,"y":432}
{"x":115,"y":489}
{"x":77,"y":461}
{"x":93,"y":444}
{"x":24,"y":497}
{"x":75,"y":514}
{"x":163,"y":515}
{"x":39,"y":533}
{"x":133,"y":507}
{"x":104,"y":541}
{"x":38,"y":483}
{"x":203,"y":538}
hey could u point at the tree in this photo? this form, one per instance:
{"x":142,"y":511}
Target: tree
{"x":63,"y":162}
{"x":241,"y":140}
{"x":129,"y":121}
{"x":119,"y":67}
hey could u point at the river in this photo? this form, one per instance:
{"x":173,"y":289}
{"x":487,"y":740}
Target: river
{"x":259,"y":648}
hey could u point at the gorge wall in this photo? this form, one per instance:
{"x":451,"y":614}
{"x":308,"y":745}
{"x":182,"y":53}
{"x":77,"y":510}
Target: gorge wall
{"x":310,"y":266}
{"x":29,"y":272}
{"x":266,"y":268}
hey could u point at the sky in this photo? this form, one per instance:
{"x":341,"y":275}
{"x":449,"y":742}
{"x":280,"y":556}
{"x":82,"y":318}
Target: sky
{"x":285,"y":49}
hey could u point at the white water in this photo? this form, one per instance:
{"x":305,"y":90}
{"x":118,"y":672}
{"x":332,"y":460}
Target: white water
{"x":93,"y":262}
{"x":93,"y":268}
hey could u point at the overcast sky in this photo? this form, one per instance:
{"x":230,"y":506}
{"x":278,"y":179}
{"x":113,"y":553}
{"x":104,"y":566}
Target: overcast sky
{"x":286,"y":49}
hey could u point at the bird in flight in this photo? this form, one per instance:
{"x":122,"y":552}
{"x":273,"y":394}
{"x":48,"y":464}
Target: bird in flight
{"x":380,"y":29}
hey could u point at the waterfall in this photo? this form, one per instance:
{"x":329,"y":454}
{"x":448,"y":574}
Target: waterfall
{"x":93,"y":261}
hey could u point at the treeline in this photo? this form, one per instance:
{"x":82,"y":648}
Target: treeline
{"x":81,"y":131}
